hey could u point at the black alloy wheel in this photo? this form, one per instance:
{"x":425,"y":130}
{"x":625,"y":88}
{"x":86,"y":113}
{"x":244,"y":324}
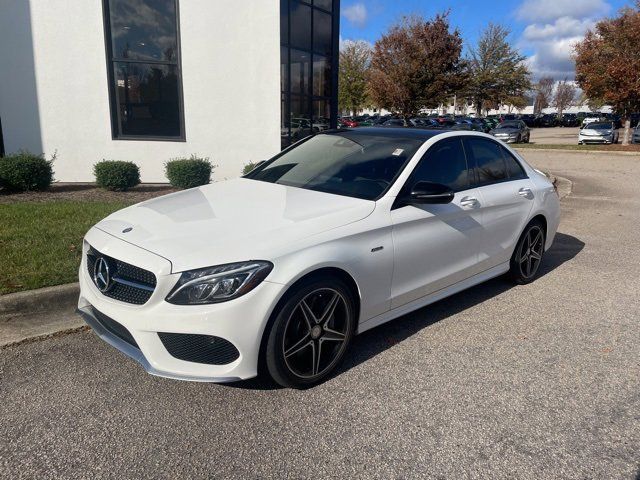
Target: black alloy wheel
{"x":528,"y":254}
{"x":311,"y":333}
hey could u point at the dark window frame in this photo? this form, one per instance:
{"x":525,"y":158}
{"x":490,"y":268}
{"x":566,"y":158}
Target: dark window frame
{"x":470,"y":171}
{"x":114,"y":109}
{"x":332,"y":57}
{"x":2,"y":152}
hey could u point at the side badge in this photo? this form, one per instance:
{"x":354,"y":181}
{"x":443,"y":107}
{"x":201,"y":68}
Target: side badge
{"x":127,"y":230}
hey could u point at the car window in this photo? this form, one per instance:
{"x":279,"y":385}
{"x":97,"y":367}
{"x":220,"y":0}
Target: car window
{"x":489,"y":162}
{"x":361,"y":166}
{"x":444,"y":163}
{"x":514,"y":169}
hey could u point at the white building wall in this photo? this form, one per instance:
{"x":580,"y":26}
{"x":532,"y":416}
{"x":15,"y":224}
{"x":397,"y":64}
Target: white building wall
{"x":231,"y":82}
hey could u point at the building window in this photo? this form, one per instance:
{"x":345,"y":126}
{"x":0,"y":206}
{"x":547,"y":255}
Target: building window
{"x":308,"y":67}
{"x":143,"y":62}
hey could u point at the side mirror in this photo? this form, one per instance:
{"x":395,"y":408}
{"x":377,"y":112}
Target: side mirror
{"x":429,"y":192}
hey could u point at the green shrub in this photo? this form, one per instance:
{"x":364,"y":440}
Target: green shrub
{"x":248,"y":167}
{"x":24,"y":171}
{"x":116,"y":174}
{"x":189,"y":172}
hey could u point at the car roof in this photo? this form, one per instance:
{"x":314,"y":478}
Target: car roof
{"x":399,"y":132}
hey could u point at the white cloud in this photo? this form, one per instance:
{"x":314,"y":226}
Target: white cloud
{"x":356,"y":14}
{"x":548,"y":10}
{"x":563,"y":27}
{"x":555,"y":26}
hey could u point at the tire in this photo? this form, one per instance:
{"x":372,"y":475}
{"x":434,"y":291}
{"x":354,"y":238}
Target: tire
{"x":311,"y":333}
{"x":526,"y":259}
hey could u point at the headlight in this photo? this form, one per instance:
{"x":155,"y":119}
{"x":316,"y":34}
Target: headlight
{"x":218,"y":284}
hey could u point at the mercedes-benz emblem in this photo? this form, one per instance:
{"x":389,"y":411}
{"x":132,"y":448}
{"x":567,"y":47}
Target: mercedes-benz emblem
{"x":101,"y":274}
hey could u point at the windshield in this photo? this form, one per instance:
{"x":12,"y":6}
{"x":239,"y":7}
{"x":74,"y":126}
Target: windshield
{"x":600,"y":126}
{"x":509,"y":125}
{"x":361,"y":166}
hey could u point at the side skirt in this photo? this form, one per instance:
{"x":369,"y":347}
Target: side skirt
{"x":434,"y":297}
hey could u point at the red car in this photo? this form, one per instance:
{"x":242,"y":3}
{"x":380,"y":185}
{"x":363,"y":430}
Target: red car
{"x":349,"y":122}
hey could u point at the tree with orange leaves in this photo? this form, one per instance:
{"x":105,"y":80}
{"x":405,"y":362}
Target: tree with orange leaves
{"x":608,"y":63}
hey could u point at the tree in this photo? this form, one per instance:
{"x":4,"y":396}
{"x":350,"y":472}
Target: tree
{"x":607,"y":63}
{"x":416,"y":65}
{"x":564,"y":96}
{"x":543,"y":90}
{"x":355,"y":59}
{"x":497,"y":70}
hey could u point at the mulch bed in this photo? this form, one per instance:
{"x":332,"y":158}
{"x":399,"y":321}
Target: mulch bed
{"x":87,"y":192}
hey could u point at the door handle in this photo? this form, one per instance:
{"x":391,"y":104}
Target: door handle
{"x":470,"y":202}
{"x":526,"y":193}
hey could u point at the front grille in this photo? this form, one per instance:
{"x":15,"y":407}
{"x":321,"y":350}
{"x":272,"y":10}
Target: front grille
{"x":129,"y":284}
{"x":114,"y":327}
{"x":199,"y":348}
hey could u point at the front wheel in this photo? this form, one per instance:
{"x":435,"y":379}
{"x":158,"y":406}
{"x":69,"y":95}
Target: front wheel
{"x":310,"y":333}
{"x":528,"y":254}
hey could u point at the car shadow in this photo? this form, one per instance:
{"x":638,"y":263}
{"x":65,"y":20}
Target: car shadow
{"x":377,"y":340}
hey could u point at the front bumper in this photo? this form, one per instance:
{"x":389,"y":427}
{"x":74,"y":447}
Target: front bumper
{"x":508,"y":139}
{"x":240,"y":321}
{"x":594,"y":139}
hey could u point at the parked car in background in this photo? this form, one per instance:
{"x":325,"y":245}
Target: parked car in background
{"x":529,"y":119}
{"x":468,"y":124}
{"x":341,"y":233}
{"x":569,"y":120}
{"x":365,"y":121}
{"x":512,"y":131}
{"x":591,"y":118}
{"x":548,"y":120}
{"x":635,"y":135}
{"x":598,"y":132}
{"x":349,"y":122}
{"x":634,"y":118}
{"x":394,"y":122}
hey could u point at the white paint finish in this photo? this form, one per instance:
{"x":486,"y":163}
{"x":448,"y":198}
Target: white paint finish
{"x":230,"y":70}
{"x":427,"y":254}
{"x":504,"y":215}
{"x":244,"y":219}
{"x":434,"y":246}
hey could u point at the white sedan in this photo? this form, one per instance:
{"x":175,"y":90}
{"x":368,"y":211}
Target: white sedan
{"x":600,"y":132}
{"x":276,"y":272}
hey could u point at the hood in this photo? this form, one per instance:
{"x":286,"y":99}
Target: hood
{"x":231,"y":221}
{"x":593,"y":131}
{"x":504,"y":131}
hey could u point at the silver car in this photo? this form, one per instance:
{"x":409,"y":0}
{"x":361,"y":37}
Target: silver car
{"x":512,"y":131}
{"x":635,"y":134}
{"x":600,"y":132}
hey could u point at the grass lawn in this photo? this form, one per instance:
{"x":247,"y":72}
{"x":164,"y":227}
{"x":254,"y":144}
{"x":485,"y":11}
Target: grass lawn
{"x":41,"y":243}
{"x":585,"y":148}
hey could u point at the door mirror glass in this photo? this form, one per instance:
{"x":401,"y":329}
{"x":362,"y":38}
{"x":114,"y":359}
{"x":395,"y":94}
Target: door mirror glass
{"x":429,"y":192}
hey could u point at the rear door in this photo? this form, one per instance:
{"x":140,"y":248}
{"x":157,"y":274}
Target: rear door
{"x":436,"y":245}
{"x":506,"y":195}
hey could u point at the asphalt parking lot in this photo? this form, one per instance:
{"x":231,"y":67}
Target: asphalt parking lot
{"x":537,"y":381}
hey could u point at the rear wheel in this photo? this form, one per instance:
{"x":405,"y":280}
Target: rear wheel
{"x":311,"y":333}
{"x":528,"y":254}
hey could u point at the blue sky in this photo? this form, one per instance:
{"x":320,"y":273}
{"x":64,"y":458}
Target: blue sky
{"x":543,"y":30}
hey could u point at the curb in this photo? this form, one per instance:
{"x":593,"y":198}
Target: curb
{"x":38,"y":314}
{"x":582,"y":152}
{"x":40,"y":300}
